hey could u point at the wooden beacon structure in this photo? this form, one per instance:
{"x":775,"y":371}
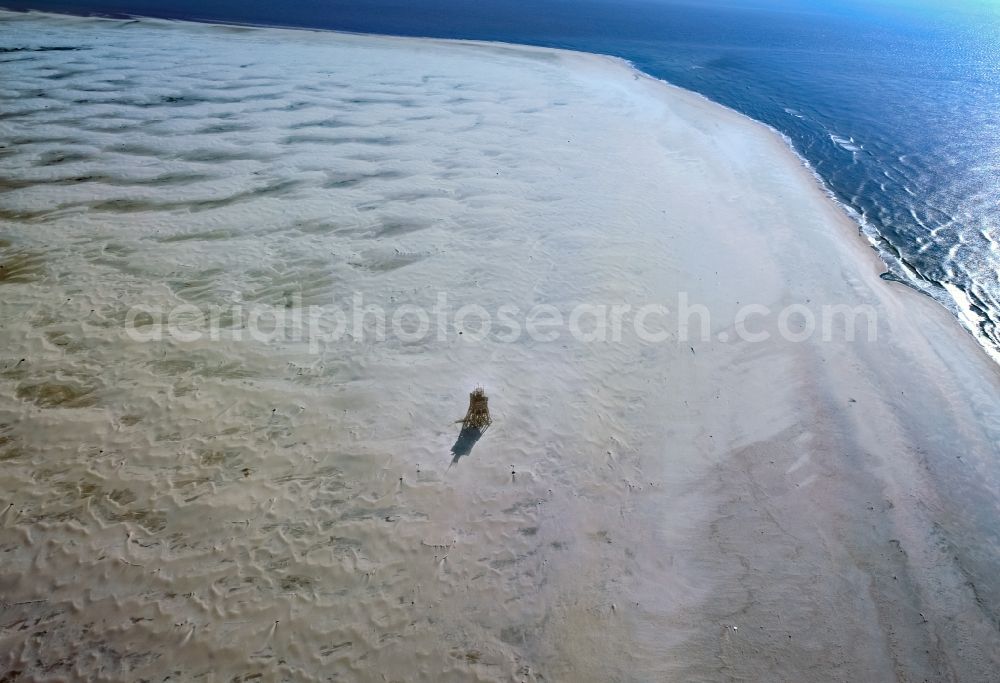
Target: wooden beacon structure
{"x":478,"y":416}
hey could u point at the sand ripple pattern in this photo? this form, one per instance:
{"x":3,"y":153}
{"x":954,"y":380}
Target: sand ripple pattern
{"x":235,"y":510}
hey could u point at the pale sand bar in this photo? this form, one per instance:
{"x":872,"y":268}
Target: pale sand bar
{"x":698,"y":510}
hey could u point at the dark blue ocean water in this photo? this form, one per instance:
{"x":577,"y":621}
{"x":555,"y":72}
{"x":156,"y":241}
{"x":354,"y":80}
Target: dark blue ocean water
{"x":894,"y":103}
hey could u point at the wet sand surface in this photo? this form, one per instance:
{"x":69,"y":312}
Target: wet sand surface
{"x":240,"y":508}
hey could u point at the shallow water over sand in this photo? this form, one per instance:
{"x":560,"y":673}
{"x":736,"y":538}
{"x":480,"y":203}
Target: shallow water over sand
{"x":231,"y":507}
